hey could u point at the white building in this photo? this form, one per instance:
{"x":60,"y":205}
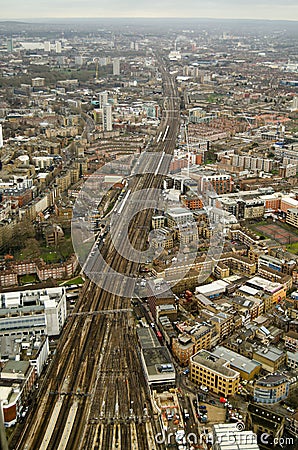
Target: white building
{"x":58,"y":47}
{"x":116,"y":66}
{"x":47,"y":46}
{"x":107,"y":117}
{"x":41,"y":311}
{"x":1,"y":136}
{"x":178,"y":216}
{"x":103,"y":99}
{"x":231,"y":436}
{"x":295,"y":104}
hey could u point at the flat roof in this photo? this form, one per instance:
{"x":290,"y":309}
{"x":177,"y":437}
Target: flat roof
{"x":147,"y":338}
{"x":214,"y":362}
{"x":239,"y":362}
{"x":179,"y":211}
{"x":271,"y":353}
{"x":158,"y":362}
{"x":263,"y":416}
{"x":212,"y":287}
{"x":265,"y":285}
{"x":249,"y":290}
{"x":15,"y":367}
{"x":242,"y":440}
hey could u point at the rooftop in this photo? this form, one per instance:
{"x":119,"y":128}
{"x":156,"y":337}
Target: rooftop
{"x":237,"y":361}
{"x":214,"y":362}
{"x":271,"y":353}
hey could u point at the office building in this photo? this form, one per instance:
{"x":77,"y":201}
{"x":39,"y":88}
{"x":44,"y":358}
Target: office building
{"x":271,"y":389}
{"x":213,"y":372}
{"x":40,"y":311}
{"x":270,"y":357}
{"x":157,"y":363}
{"x":107,"y":117}
{"x":178,"y":216}
{"x":248,"y":368}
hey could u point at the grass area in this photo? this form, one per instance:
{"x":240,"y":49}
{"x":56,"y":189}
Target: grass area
{"x":77,"y":280}
{"x":28,"y":279}
{"x":293,"y":248}
{"x":50,"y":256}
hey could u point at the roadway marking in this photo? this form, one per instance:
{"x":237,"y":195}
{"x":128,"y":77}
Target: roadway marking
{"x":68,"y":426}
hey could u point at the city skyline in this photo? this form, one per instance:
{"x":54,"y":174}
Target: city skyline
{"x":215,"y":9}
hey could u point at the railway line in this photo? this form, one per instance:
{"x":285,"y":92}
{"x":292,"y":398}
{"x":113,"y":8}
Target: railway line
{"x":96,"y":363}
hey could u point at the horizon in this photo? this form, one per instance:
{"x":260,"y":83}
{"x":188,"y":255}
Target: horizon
{"x":140,"y":9}
{"x":248,"y":19}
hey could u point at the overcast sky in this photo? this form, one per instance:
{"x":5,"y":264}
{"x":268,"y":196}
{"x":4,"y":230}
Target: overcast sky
{"x":247,"y":9}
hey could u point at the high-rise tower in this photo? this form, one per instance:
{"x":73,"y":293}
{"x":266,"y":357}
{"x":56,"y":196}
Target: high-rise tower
{"x":107,"y":117}
{"x":103,"y":99}
{"x":116,"y":66}
{"x":1,"y":136}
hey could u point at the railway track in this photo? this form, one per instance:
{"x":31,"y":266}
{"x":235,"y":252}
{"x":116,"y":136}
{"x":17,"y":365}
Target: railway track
{"x":96,"y":362}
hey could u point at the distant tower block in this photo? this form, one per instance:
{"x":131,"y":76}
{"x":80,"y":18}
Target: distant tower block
{"x":58,"y":47}
{"x":1,"y":137}
{"x":107,"y":117}
{"x":294,"y":104}
{"x":10,"y":45}
{"x":103,"y":99}
{"x":116,"y":66}
{"x":47,"y":46}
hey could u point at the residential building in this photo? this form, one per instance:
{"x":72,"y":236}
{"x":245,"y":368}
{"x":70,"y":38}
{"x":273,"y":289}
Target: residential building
{"x":292,"y":217}
{"x":116,"y":66}
{"x":158,"y":222}
{"x":16,"y":382}
{"x":292,"y":360}
{"x":192,"y":201}
{"x":107,"y":123}
{"x":291,"y":341}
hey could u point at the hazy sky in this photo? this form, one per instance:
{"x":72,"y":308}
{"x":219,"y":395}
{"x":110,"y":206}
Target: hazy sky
{"x":247,"y":9}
